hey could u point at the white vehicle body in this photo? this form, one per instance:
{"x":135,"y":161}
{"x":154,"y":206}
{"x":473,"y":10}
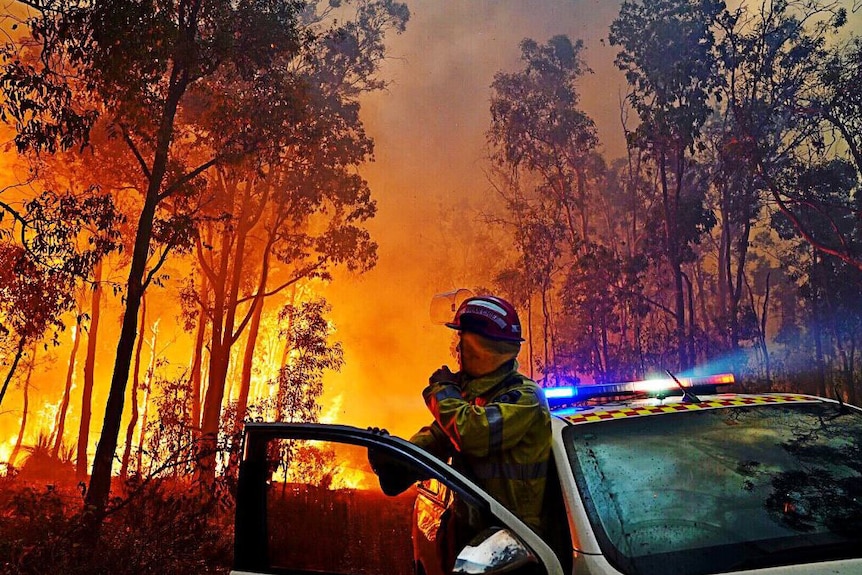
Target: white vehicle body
{"x":718,"y":514}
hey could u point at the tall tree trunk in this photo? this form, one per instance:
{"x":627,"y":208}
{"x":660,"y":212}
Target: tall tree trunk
{"x":690,"y":342}
{"x":670,"y":207}
{"x":197,"y":359}
{"x":60,"y":422}
{"x":100,"y":482}
{"x":584,"y":211}
{"x":136,"y":380}
{"x":251,"y":341}
{"x":736,"y":290}
{"x":546,"y":333}
{"x":19,"y":351}
{"x":89,"y":374}
{"x":764,"y":312}
{"x":148,"y":386}
{"x":818,"y":332}
{"x":245,"y":381}
{"x":530,"y":348}
{"x":219,"y":362}
{"x":218,"y":367}
{"x":225,"y":334}
{"x":248,"y":360}
{"x":851,"y":371}
{"x":724,"y":285}
{"x":25,"y":410}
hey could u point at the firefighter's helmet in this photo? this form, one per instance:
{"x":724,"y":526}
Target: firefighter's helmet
{"x":488,"y":316}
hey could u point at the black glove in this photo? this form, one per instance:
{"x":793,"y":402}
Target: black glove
{"x":443,"y":375}
{"x":394,"y":475}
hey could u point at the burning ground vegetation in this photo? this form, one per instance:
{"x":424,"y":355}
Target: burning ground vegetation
{"x":176,"y":523}
{"x":154,"y":526}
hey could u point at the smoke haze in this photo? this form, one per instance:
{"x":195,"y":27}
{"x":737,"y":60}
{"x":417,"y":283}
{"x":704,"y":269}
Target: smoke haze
{"x":429,"y":128}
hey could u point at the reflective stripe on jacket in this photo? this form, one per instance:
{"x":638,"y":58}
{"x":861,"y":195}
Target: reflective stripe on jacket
{"x":497,"y":429}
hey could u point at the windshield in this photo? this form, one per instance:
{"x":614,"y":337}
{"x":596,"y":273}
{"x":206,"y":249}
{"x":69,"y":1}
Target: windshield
{"x":724,"y":489}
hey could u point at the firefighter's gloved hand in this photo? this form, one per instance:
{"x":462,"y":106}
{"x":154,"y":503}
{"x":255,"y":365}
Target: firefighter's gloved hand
{"x":378,"y":431}
{"x":393,"y":474}
{"x":443,"y":375}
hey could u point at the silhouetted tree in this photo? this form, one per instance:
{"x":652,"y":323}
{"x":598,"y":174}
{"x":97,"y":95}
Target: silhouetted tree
{"x":141,"y":66}
{"x":669,"y":60}
{"x":543,"y":151}
{"x":302,"y":206}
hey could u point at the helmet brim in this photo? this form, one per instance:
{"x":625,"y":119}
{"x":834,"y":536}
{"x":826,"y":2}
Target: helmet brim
{"x":478,"y":331}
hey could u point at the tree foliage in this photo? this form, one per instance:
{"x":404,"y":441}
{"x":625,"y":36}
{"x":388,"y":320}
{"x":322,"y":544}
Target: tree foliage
{"x":188,"y":87}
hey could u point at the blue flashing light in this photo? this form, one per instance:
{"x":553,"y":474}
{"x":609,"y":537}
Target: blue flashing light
{"x":565,"y":392}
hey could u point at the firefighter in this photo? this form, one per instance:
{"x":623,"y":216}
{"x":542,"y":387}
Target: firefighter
{"x":490,"y":419}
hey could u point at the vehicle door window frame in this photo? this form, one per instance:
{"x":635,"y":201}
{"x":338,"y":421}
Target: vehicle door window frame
{"x":251,"y":537}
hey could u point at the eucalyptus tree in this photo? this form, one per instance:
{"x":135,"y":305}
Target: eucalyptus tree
{"x":840,"y":102}
{"x":668,"y":56}
{"x":32,"y":301}
{"x":544,"y":153}
{"x":301,"y":207}
{"x":42,"y":263}
{"x":139,"y":66}
{"x":537,"y":126}
{"x":792,"y":103}
{"x":828,"y":284}
{"x":832,"y":104}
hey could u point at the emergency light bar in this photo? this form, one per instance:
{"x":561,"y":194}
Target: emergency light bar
{"x":569,"y":394}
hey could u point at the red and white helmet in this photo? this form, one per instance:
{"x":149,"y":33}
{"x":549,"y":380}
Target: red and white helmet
{"x":488,"y":316}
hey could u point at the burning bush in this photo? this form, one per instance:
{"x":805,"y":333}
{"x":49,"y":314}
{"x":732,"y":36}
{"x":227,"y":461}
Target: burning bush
{"x":153,"y":527}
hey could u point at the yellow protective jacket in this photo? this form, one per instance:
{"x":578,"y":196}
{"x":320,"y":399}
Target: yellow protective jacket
{"x":497,"y":429}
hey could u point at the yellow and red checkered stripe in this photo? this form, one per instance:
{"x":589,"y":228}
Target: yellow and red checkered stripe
{"x":676,"y":407}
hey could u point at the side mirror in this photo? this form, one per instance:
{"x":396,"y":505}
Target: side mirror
{"x":493,"y":551}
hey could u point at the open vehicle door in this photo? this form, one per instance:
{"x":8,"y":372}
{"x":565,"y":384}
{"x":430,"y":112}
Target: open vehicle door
{"x":308,"y":501}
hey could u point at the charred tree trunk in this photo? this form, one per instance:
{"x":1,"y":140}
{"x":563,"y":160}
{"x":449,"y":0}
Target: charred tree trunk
{"x":818,"y":332}
{"x":248,"y":360}
{"x":136,"y":380}
{"x":89,"y":374}
{"x":670,"y":206}
{"x":100,"y":482}
{"x":60,"y":422}
{"x":19,"y":351}
{"x":24,"y":411}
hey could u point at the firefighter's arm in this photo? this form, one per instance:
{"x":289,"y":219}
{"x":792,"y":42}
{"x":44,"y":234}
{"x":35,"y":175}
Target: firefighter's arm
{"x":478,"y":431}
{"x":433,"y":440}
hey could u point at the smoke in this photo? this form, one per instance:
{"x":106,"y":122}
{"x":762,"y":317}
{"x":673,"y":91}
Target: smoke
{"x":429,"y":180}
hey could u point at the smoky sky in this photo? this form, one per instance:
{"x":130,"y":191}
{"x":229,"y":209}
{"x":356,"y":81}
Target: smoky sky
{"x":429,"y":129}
